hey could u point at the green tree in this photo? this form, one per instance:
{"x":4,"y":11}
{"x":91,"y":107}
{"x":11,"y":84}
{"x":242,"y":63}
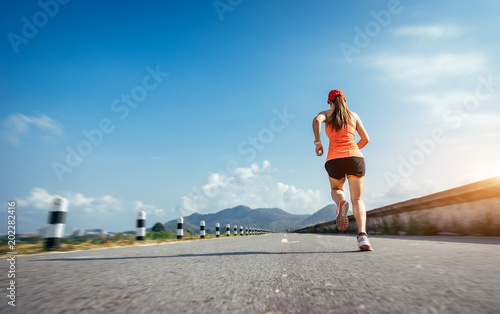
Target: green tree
{"x":158,"y":227}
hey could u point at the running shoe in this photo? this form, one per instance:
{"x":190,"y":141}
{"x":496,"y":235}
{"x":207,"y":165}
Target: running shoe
{"x":364,"y":243}
{"x":342,"y":221}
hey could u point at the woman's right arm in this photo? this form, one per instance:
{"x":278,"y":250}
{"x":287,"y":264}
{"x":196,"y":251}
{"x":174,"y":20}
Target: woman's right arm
{"x":362,"y":133}
{"x":320,"y":118}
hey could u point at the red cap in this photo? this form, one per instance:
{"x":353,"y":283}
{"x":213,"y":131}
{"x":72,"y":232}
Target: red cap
{"x":335,"y":92}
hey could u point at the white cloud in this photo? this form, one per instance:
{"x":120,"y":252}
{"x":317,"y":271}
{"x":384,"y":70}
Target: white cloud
{"x":104,"y":204}
{"x":254,"y":186}
{"x":17,"y":125}
{"x":439,"y":101}
{"x":78,"y":199}
{"x":427,"y":71}
{"x":40,"y":198}
{"x":429,"y":32}
{"x":149,"y":209}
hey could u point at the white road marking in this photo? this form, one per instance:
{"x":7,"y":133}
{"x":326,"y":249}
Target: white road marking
{"x":285,"y":240}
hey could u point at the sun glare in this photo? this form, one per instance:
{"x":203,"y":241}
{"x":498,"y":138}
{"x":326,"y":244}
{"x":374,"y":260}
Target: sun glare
{"x":495,"y":172}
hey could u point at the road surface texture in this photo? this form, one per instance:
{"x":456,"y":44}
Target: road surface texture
{"x":275,"y":273}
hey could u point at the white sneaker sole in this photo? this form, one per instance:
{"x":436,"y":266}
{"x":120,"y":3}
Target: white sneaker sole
{"x":365,"y":246}
{"x":342,"y":217}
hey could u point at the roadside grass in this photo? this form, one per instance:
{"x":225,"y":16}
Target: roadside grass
{"x":89,"y":243}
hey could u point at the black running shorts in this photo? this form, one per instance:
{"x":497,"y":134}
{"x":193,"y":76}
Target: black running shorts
{"x":339,"y":168}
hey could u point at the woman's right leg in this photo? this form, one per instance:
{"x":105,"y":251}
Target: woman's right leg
{"x":337,"y":190}
{"x":342,"y":206}
{"x":358,"y":205}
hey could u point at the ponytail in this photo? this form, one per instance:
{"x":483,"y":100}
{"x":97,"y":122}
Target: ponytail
{"x":341,"y":116}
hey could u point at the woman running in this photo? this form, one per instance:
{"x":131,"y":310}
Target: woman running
{"x":344,"y":159}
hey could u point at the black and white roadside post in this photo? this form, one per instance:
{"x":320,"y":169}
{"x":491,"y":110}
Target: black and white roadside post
{"x":180,"y":231}
{"x":202,"y":229}
{"x":241,"y":230}
{"x":235,"y":229}
{"x":228,"y":230}
{"x":246,"y":230}
{"x":57,"y":222}
{"x":141,"y":226}
{"x":217,"y":230}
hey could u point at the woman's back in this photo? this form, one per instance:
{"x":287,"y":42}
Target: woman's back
{"x":342,"y":142}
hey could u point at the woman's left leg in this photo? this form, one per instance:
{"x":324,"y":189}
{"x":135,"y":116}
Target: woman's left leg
{"x":358,"y":205}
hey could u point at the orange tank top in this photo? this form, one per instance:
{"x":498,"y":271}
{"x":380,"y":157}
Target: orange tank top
{"x":342,"y":142}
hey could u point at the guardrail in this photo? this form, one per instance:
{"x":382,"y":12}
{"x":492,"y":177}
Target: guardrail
{"x":472,"y":209}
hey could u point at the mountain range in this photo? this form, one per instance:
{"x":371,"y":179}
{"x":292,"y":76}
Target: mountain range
{"x":273,"y":219}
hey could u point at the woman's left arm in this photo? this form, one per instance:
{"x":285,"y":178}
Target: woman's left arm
{"x":362,"y":133}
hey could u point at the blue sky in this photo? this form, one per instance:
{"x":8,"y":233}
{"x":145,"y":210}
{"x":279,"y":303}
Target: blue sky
{"x":197,"y":106}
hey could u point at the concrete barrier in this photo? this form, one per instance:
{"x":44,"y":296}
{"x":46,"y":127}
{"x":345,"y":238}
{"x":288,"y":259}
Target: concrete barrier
{"x":472,"y":209}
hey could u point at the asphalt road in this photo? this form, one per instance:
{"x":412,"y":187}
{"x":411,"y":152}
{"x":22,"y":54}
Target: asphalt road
{"x":275,"y":273}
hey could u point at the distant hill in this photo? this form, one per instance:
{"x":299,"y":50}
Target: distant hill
{"x":325,"y":214}
{"x":172,"y":226}
{"x":274,"y":219}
